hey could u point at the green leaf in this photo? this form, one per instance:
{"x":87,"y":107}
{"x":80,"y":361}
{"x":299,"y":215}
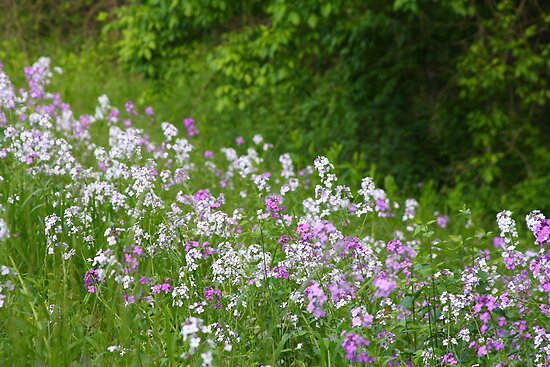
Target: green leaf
{"x":294,"y":18}
{"x":102,"y":16}
{"x":326,"y":10}
{"x":312,"y":21}
{"x":407,"y":301}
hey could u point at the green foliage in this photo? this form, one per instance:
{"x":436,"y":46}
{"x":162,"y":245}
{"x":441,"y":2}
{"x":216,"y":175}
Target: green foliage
{"x":424,"y":88}
{"x":454,"y":92}
{"x":504,"y":78}
{"x":33,"y":21}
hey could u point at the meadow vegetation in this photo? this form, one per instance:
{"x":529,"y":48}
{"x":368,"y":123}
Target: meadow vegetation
{"x":274,"y":183}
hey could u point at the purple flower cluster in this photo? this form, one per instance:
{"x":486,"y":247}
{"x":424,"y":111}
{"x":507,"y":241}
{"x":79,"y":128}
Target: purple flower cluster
{"x":317,"y":299}
{"x":189,"y":124}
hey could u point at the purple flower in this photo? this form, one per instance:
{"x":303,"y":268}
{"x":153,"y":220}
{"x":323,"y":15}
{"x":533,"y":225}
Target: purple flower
{"x":322,"y":230}
{"x":280,"y":272}
{"x":449,"y":358}
{"x":543,"y":232}
{"x":498,"y":241}
{"x":316,"y":298}
{"x":189,"y":123}
{"x":272,"y":205}
{"x":485,"y":317}
{"x":384,"y":286}
{"x":360,"y":317}
{"x":212,"y":293}
{"x":304,"y":230}
{"x":442,"y":220}
{"x":352,"y":344}
{"x":393,"y":246}
{"x":156,"y":288}
{"x":130,"y":108}
{"x":482,"y":351}
{"x":129,"y":299}
{"x":91,"y":277}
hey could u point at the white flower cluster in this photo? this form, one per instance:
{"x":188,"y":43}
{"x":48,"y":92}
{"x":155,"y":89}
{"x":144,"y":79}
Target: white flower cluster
{"x":4,"y":231}
{"x":191,"y":331}
{"x":506,"y":225}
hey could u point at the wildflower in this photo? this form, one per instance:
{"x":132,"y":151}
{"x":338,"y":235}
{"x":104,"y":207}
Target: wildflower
{"x":113,"y":348}
{"x":128,"y":299}
{"x":130,"y":108}
{"x":273,"y":206}
{"x":304,"y":231}
{"x":212,"y":293}
{"x":156,"y":288}
{"x":189,"y":123}
{"x":170,"y":131}
{"x":280,"y":272}
{"x":91,"y":277}
{"x":442,"y":221}
{"x":543,"y":232}
{"x":384,"y":286}
{"x":498,"y":241}
{"x":506,"y":225}
{"x":257,"y":139}
{"x":316,"y":298}
{"x":410,"y":209}
{"x":165,"y":287}
{"x":352,"y":344}
{"x":449,"y":358}
{"x":4,"y":233}
{"x":361,"y":317}
{"x":482,"y":351}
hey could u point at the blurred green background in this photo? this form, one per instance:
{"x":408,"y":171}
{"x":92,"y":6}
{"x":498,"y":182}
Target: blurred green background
{"x":445,"y":97}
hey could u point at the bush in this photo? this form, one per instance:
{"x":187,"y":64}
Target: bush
{"x":445,"y":90}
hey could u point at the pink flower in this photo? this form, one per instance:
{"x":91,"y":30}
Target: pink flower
{"x":498,"y":242}
{"x":384,"y":286}
{"x":156,"y":288}
{"x":129,"y":298}
{"x":482,"y":351}
{"x":272,"y":205}
{"x":449,"y":358}
{"x":189,"y":123}
{"x":316,"y":298}
{"x":130,"y":108}
{"x":442,"y":221}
